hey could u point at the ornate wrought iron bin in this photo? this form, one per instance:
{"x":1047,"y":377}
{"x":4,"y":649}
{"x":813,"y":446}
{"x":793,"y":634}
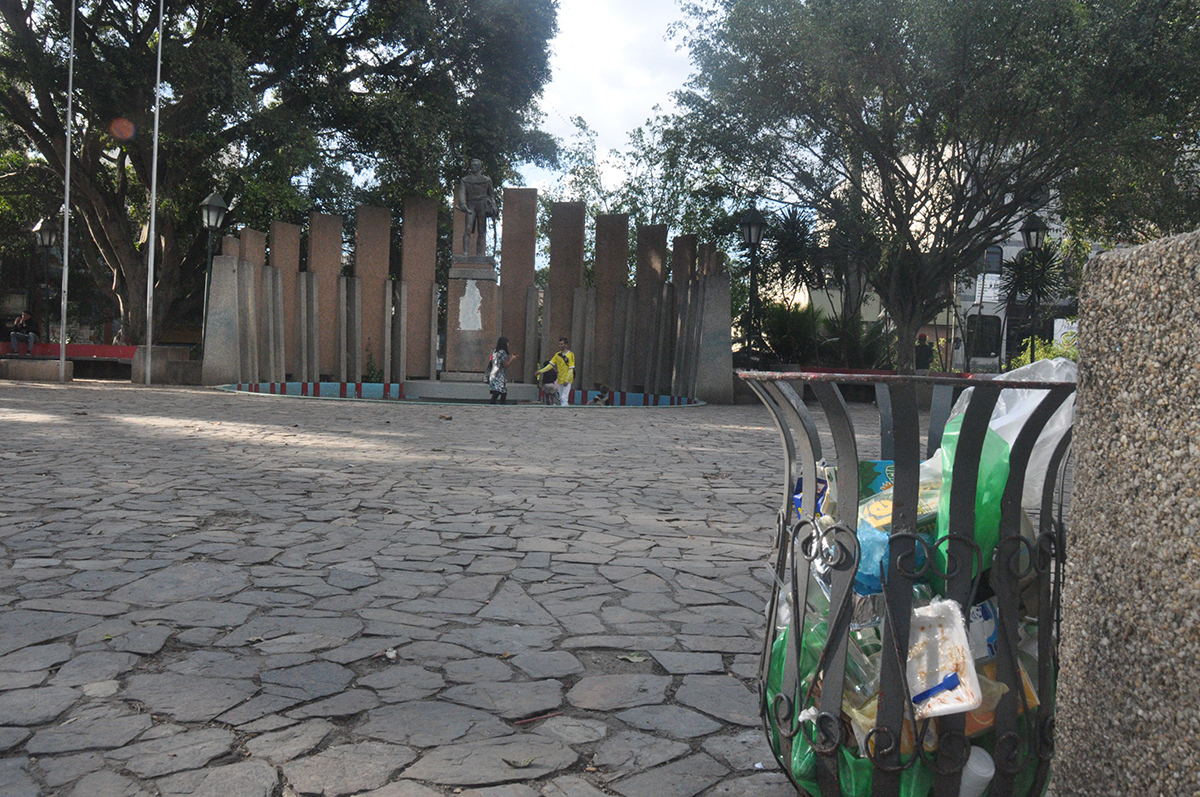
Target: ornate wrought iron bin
{"x":861,"y":692}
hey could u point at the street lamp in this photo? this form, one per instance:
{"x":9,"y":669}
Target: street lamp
{"x":1033,"y":235}
{"x":212,"y":215}
{"x":46,"y":237}
{"x":753,"y":226}
{"x":1033,"y":232}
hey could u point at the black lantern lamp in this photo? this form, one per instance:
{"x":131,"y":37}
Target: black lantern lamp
{"x":47,"y":238}
{"x":1033,"y":232}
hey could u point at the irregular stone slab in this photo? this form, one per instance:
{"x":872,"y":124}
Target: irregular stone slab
{"x":688,"y":663}
{"x":572,"y":730}
{"x":746,"y":751}
{"x":507,"y":790}
{"x":429,"y":724}
{"x":471,"y":588}
{"x":721,"y":696}
{"x":21,"y":680}
{"x":14,"y":780}
{"x":548,"y":664}
{"x":11,"y":737}
{"x":616,"y":642}
{"x":308,"y":681}
{"x":91,"y":667}
{"x":512,"y":604}
{"x":510,"y":700}
{"x":188,"y":698}
{"x":299,"y":643}
{"x":28,"y":707}
{"x":683,"y":778}
{"x":101,"y":688}
{"x":348,"y":703}
{"x":515,"y":758}
{"x":571,"y":786}
{"x":256,"y":707}
{"x":469,"y":671}
{"x":610,"y":692}
{"x":434,"y":654}
{"x":675,"y":721}
{"x":764,"y":784}
{"x":720,"y":644}
{"x":189,"y":614}
{"x":94,"y":728}
{"x":146,"y":640}
{"x":402,"y":788}
{"x":21,"y":628}
{"x":216,"y":664}
{"x":63,"y":769}
{"x":183,"y":582}
{"x":400,"y":683}
{"x":631,"y":751}
{"x":245,"y":779}
{"x":498,"y":640}
{"x":39,"y":657}
{"x":76,"y":605}
{"x":263,"y":628}
{"x":282,"y":746}
{"x":347,"y":769}
{"x":175,"y":753}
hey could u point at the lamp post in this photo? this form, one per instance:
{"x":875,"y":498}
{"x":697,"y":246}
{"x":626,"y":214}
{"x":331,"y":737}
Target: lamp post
{"x":46,"y":237}
{"x":753,"y":226}
{"x":1033,"y":235}
{"x":212,"y":215}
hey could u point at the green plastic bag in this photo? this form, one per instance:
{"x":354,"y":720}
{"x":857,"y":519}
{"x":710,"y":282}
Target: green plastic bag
{"x":993,"y":476}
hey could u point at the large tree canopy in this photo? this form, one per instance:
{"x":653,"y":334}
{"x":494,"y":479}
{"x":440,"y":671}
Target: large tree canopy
{"x":284,"y":105}
{"x":940,"y":124}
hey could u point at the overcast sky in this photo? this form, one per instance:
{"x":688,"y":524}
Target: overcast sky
{"x":612,"y":63}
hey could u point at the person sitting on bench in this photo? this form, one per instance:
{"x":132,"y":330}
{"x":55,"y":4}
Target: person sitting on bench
{"x":25,"y":330}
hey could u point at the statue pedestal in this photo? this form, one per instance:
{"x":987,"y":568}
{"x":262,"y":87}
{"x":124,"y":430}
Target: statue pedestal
{"x":471,"y":317}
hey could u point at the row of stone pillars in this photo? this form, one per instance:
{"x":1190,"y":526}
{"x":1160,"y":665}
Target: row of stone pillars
{"x":271,"y":322}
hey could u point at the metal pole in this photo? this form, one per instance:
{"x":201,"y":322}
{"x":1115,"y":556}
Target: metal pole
{"x":207,"y":282}
{"x":153,"y":198}
{"x":66,"y":234}
{"x":753,"y":331}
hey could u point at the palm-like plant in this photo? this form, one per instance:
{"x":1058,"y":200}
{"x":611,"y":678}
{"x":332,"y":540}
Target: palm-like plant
{"x":1035,"y":278}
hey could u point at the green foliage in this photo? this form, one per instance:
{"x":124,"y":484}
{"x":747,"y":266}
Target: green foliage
{"x":285,"y":106}
{"x":1047,"y":350}
{"x":804,"y":336}
{"x":927,"y":129}
{"x":372,"y":373}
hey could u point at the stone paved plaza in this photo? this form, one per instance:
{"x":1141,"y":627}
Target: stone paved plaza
{"x":240,"y":596}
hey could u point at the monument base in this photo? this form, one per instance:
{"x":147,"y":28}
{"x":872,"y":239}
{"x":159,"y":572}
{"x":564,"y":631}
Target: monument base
{"x":461,"y":376}
{"x":471,"y":316}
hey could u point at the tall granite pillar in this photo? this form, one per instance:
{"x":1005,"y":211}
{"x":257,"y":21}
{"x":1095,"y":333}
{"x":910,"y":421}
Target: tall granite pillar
{"x":683,"y":260}
{"x":566,"y":269}
{"x":222,"y":341}
{"x":714,"y":352}
{"x":324,"y":268}
{"x":611,"y":276}
{"x":651,"y":273}
{"x":418,"y":268}
{"x":285,"y":258}
{"x":372,"y":249}
{"x":518,"y":250}
{"x":252,"y":252}
{"x":1128,"y":704}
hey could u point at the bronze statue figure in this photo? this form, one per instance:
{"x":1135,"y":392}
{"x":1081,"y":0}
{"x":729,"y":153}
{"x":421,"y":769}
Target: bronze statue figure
{"x":475,"y":197}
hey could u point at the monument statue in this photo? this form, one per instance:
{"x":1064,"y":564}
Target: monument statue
{"x":475,"y":197}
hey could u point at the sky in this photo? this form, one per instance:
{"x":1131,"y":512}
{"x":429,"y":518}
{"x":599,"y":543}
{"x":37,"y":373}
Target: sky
{"x":612,"y":63}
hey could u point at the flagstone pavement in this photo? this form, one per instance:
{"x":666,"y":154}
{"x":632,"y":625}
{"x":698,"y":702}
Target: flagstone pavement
{"x":243,"y":596}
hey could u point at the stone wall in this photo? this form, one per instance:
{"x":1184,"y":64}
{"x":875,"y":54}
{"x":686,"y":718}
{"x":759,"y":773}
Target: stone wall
{"x":1129,"y":697}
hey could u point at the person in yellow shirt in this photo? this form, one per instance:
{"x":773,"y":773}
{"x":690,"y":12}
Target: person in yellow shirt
{"x":564,"y":362}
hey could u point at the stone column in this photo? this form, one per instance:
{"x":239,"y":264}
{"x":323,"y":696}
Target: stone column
{"x":518,"y":249}
{"x":470,"y":318}
{"x":566,"y":268}
{"x":651,"y":273}
{"x":285,"y":258}
{"x":683,"y":260}
{"x":324,"y":268}
{"x":714,"y":354}
{"x":252,"y":252}
{"x":372,"y":248}
{"x":418,"y":268}
{"x":1128,"y":698}
{"x":222,"y":358}
{"x":611,"y":277}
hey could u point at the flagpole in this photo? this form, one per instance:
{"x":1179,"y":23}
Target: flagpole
{"x":66,"y":236}
{"x":153,"y":199}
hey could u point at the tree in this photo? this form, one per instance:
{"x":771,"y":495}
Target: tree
{"x":275,"y":101}
{"x":927,"y":127}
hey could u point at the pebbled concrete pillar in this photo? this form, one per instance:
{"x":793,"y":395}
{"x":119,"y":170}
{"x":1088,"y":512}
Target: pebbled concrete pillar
{"x":518,"y":249}
{"x":324,"y":268}
{"x":372,"y":249}
{"x":418,"y":269}
{"x":285,"y":258}
{"x":566,"y":267}
{"x":651,"y":273}
{"x":611,"y":277}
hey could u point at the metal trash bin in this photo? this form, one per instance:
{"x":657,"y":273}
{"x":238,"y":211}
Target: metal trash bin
{"x":810,"y":681}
